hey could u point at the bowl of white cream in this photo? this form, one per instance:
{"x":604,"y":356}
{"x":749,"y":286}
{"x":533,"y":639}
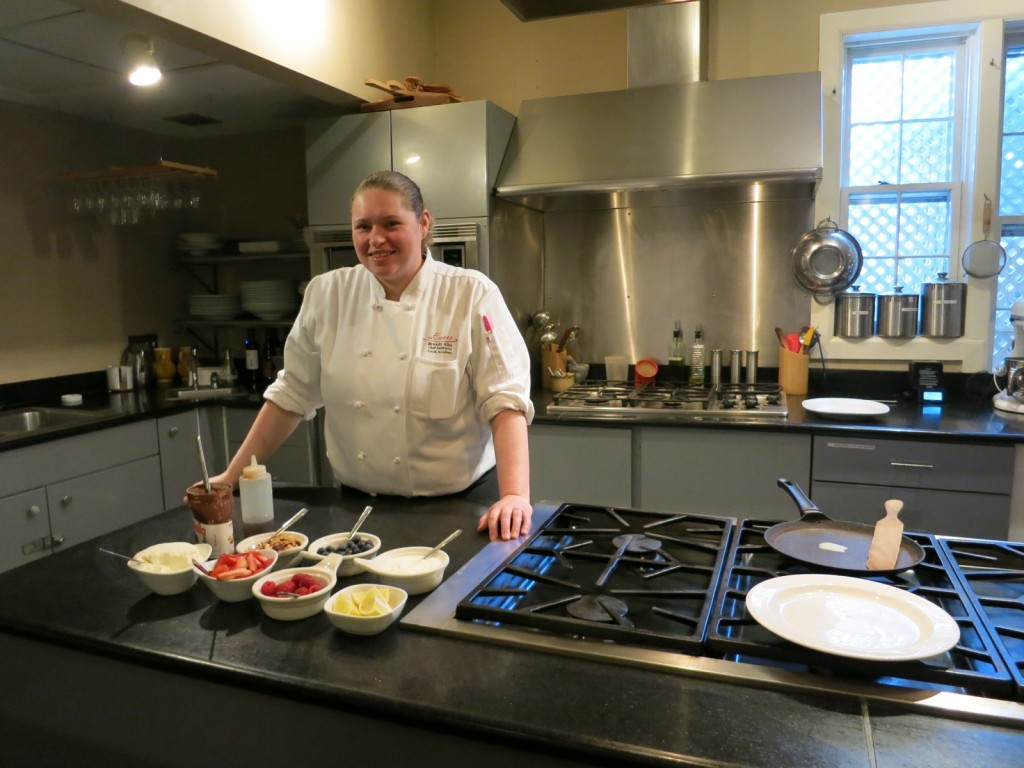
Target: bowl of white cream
{"x":407,"y":568}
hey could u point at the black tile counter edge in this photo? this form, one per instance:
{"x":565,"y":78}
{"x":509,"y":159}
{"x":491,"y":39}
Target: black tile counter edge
{"x":559,"y":744}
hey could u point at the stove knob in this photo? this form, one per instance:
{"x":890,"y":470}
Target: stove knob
{"x":750,"y":402}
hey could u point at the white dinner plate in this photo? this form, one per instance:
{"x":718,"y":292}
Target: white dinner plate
{"x":845,"y":407}
{"x":852,"y":617}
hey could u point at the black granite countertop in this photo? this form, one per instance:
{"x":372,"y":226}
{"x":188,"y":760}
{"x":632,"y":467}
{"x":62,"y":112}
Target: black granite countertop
{"x":967,"y":416}
{"x":583,"y":711}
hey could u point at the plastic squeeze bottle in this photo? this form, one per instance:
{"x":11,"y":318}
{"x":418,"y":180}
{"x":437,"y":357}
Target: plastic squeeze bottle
{"x":257,"y":499}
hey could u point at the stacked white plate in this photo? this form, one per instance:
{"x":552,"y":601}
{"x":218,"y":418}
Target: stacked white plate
{"x":270,"y":299}
{"x":199,"y":243}
{"x":215,"y":306}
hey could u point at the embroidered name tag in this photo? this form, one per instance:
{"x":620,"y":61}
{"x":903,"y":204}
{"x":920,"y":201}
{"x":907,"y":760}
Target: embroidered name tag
{"x":440,"y":344}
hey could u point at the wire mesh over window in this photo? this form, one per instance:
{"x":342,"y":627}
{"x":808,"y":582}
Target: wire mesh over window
{"x":900,"y":165}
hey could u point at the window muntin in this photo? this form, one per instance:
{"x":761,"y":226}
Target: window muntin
{"x":1011,"y":200}
{"x":901,"y":158}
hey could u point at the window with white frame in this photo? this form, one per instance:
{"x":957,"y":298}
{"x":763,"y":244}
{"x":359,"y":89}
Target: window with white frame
{"x":902,"y":159}
{"x":1011,"y":198}
{"x":926,"y":106}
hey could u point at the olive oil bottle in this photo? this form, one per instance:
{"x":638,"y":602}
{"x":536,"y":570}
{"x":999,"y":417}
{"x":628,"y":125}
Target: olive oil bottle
{"x":697,"y":359}
{"x":677,"y":352}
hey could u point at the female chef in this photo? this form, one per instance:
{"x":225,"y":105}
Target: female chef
{"x":423,"y":374}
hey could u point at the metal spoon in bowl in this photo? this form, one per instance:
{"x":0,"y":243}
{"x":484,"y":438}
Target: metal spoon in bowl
{"x":359,"y":522}
{"x":118,"y":554}
{"x":446,"y":540}
{"x":289,"y":522}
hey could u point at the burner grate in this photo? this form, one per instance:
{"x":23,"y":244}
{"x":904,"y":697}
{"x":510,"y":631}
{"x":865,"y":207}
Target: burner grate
{"x":992,"y":573}
{"x":974,"y":665}
{"x":628,"y":576}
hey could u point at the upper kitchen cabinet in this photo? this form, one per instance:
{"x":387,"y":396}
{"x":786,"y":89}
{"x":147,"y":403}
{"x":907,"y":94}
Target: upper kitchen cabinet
{"x":452,"y":151}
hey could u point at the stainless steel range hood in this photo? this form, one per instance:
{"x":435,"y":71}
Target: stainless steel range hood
{"x":761,"y":134}
{"x":670,"y":135}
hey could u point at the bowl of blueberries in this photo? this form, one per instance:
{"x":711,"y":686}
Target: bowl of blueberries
{"x":351,"y":548}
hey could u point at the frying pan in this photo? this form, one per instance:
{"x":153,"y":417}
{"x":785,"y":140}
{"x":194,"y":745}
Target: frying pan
{"x":847,"y":543}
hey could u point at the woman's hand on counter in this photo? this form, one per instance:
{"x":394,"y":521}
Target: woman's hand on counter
{"x":508,"y":518}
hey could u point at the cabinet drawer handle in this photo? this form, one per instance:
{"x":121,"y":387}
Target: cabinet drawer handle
{"x":66,"y":501}
{"x":911,"y":464}
{"x":33,"y":510}
{"x":58,"y":541}
{"x":172,"y":431}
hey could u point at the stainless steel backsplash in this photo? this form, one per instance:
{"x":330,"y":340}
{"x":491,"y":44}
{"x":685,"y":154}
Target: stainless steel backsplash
{"x":626,"y":275}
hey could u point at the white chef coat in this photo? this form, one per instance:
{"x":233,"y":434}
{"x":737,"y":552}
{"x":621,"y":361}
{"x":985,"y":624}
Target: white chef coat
{"x":410,"y":386}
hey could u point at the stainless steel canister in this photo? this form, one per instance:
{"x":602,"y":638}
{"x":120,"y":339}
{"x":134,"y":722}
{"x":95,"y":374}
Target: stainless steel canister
{"x":716,"y":367}
{"x":751,"y":366}
{"x":855,"y":314}
{"x":897,"y":314}
{"x":942,"y":308}
{"x":735,"y":366}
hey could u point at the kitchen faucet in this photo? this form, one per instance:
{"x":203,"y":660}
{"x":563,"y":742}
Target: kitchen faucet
{"x":193,"y":373}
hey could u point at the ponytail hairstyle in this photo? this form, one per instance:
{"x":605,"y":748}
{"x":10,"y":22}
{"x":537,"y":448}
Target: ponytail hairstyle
{"x":405,"y":188}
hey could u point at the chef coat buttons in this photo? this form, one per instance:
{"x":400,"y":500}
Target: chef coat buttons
{"x":398,"y":459}
{"x":366,"y":353}
{"x":361,"y":455}
{"x":403,"y":356}
{"x":409,"y":307}
{"x":358,"y":404}
{"x":397,"y":409}
{"x":378,"y":308}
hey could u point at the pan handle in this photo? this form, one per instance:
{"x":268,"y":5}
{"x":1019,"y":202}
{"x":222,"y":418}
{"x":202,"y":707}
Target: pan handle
{"x":808,"y":510}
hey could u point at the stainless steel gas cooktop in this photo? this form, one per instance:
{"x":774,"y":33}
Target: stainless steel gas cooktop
{"x":667,"y":591}
{"x":671,"y":402}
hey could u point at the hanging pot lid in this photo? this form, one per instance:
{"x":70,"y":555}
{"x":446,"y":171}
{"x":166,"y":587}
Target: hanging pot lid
{"x":827,"y":260}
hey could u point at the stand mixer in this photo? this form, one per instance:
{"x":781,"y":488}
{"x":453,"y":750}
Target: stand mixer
{"x":1012,"y":397}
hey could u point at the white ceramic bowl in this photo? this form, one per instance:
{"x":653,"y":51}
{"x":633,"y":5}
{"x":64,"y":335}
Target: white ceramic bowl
{"x":347,"y":566}
{"x":167,"y":569}
{"x":235,"y":590}
{"x":365,"y":625}
{"x":285,"y":558}
{"x":406,"y":569}
{"x":304,"y":606}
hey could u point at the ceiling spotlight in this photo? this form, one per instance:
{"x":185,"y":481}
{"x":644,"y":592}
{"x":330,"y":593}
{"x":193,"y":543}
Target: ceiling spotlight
{"x":142,"y":67}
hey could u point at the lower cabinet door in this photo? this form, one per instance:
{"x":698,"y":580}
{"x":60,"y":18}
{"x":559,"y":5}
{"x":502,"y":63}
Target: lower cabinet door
{"x":297,"y":461}
{"x":586,"y":465}
{"x":24,"y":528}
{"x":949,"y":513}
{"x":721,"y":472}
{"x":104,"y":501}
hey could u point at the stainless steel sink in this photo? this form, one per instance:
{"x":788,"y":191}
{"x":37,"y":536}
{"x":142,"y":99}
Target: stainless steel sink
{"x":26,"y":420}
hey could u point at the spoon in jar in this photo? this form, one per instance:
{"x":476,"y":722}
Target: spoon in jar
{"x":289,"y":522}
{"x":446,"y":540}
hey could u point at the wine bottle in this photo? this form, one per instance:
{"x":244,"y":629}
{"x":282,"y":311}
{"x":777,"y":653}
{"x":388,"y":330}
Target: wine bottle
{"x":252,"y":360}
{"x":268,"y":371}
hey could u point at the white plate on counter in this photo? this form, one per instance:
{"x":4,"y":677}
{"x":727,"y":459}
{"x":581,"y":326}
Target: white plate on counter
{"x":845,"y":407}
{"x":852,"y":617}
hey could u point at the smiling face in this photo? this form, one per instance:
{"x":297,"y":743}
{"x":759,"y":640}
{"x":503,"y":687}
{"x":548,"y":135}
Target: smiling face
{"x":388,"y":237}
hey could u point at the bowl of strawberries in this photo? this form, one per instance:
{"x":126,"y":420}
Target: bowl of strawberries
{"x":231,"y":576}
